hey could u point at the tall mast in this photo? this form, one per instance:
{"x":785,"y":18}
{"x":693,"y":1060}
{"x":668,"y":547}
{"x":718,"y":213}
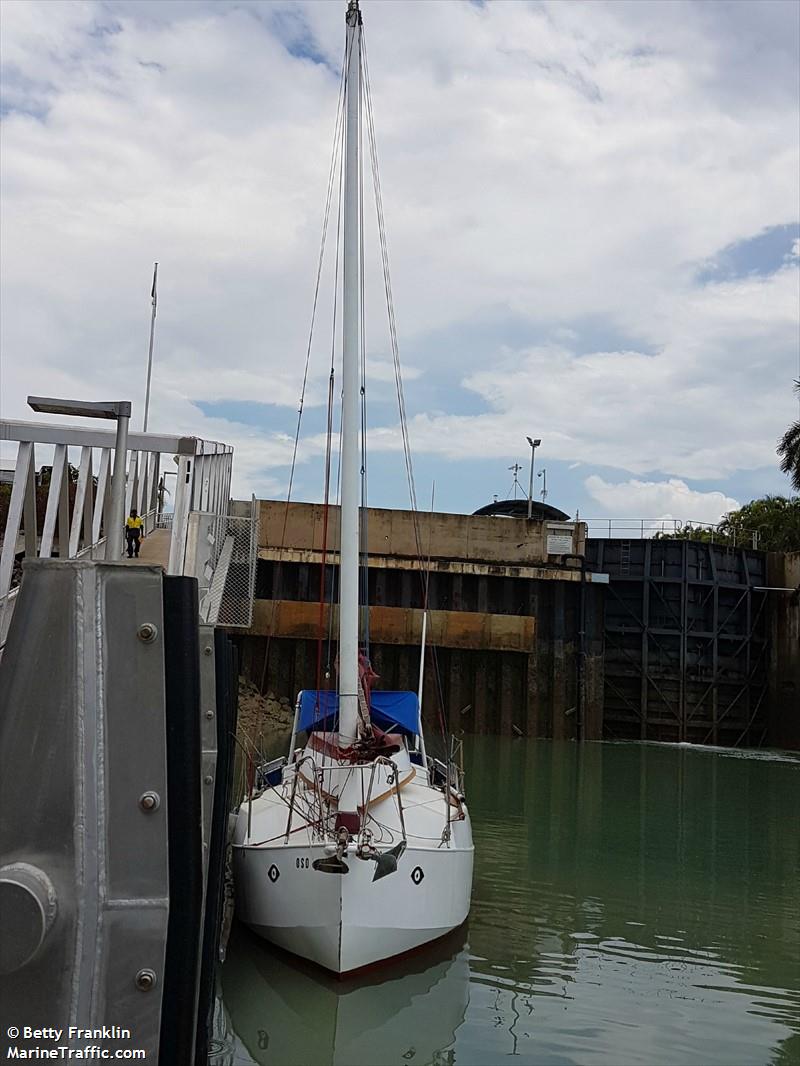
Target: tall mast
{"x":351,"y":386}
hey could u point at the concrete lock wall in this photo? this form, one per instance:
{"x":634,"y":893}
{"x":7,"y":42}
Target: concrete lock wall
{"x":505,"y":618}
{"x":684,"y":643}
{"x":401,"y":534}
{"x":783,"y":572}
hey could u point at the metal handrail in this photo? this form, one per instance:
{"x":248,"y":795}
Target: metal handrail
{"x":204,"y":477}
{"x":317,"y":793}
{"x":386,"y":761}
{"x":643,"y":528}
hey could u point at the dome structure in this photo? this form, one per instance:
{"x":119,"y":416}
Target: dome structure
{"x":541,"y":512}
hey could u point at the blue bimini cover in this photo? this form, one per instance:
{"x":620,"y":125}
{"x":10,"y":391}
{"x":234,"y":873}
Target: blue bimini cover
{"x":390,"y":711}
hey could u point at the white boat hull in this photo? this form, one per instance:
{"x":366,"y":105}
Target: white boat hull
{"x":344,"y":922}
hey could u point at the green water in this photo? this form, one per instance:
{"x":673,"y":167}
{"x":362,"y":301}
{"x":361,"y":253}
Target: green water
{"x":631,"y":904}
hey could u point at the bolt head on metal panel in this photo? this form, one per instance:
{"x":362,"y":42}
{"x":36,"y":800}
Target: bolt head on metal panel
{"x":150,"y":801}
{"x":29,"y":906}
{"x":147,"y":632}
{"x":146,"y":980}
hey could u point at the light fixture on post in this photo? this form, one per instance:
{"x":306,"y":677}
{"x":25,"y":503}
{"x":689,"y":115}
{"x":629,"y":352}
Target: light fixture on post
{"x":120,"y":410}
{"x":534,"y":445}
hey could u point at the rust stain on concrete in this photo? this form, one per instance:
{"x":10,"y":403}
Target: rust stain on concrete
{"x":400,"y":625}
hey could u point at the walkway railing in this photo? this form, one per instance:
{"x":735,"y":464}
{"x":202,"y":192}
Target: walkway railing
{"x":641,"y":528}
{"x":75,"y":496}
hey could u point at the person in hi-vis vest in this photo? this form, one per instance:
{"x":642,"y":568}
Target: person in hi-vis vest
{"x":134,"y":532}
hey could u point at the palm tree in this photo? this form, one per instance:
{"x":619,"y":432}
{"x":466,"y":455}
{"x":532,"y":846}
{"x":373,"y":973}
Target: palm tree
{"x":789,"y":449}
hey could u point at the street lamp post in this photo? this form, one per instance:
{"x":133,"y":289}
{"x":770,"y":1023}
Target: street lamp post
{"x":543,"y":476}
{"x":534,"y":445}
{"x":116,"y":409}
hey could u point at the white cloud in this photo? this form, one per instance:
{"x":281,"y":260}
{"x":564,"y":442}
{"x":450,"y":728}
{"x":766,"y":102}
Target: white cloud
{"x":554,"y":160}
{"x":382,"y":370}
{"x":672,"y":499}
{"x":712,"y":401}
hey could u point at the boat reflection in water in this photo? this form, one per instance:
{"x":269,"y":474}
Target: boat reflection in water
{"x":282,"y":1011}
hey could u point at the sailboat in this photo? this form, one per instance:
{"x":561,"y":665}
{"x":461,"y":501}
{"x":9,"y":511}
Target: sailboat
{"x":358,"y":847}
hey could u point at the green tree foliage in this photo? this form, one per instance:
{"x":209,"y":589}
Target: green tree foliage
{"x":689,"y":532}
{"x":789,"y":449}
{"x":775,"y":521}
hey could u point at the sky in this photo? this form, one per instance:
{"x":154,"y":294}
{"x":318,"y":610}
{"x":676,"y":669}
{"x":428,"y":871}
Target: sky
{"x":593,"y":222}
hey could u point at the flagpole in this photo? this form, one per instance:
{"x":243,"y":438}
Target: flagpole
{"x":150,"y":352}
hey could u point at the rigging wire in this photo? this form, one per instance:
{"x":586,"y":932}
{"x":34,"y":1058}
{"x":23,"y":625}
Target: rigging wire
{"x":335,"y":153}
{"x":376,"y":181}
{"x":388,"y":289}
{"x":324,"y":563}
{"x":329,"y":434}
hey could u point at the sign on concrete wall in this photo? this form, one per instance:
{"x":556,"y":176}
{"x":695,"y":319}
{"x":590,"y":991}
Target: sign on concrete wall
{"x":559,"y":538}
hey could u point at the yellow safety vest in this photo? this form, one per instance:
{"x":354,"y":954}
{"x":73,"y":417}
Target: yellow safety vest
{"x":133,"y":523}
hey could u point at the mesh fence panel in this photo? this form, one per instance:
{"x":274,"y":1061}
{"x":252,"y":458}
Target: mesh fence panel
{"x":232,"y":566}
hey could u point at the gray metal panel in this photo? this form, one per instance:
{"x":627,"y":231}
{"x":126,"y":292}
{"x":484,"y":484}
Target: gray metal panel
{"x":125,"y":952}
{"x":136,"y":743}
{"x":82,"y":739}
{"x":208,"y":740}
{"x":37,"y":730}
{"x":208,"y":731}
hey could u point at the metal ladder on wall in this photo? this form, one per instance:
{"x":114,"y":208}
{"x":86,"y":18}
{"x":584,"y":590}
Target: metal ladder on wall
{"x":625,"y":558}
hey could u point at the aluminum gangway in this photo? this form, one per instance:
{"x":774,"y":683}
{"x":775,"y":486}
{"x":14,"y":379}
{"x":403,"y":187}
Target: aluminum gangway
{"x":188,"y":527}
